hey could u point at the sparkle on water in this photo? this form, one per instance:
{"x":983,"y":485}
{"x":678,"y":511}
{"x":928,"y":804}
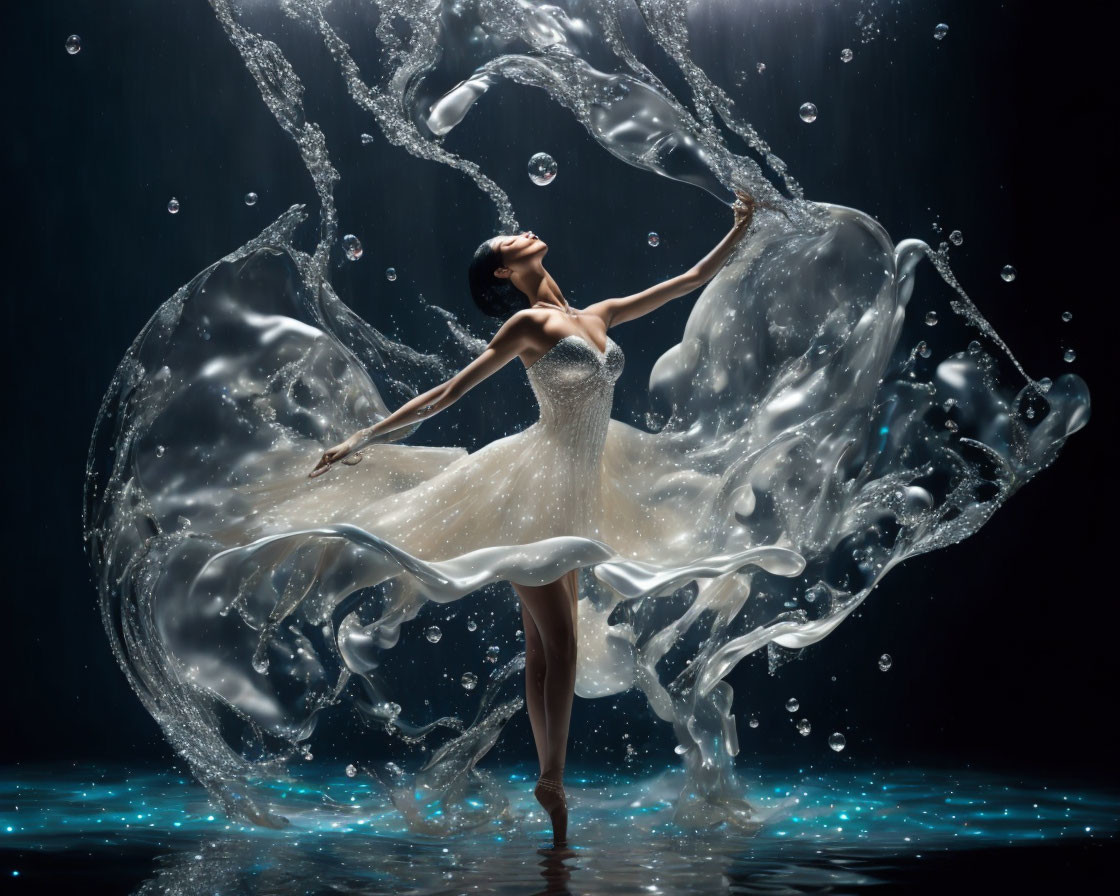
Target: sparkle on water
{"x":542,"y":169}
{"x":858,"y":828}
{"x":808,"y":112}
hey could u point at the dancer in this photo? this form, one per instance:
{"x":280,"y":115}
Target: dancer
{"x":572,"y":364}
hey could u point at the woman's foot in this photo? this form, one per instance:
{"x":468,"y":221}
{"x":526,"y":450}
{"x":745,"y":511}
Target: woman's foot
{"x":550,"y":794}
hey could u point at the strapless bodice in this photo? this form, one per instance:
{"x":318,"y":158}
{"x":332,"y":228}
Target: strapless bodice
{"x":574,"y":385}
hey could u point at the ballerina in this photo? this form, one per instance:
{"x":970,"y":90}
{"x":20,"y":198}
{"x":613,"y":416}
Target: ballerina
{"x":508,"y":281}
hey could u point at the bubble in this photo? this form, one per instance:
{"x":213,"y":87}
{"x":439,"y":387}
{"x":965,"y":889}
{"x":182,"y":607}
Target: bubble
{"x":973,"y":347}
{"x":885,"y":662}
{"x":923,"y":349}
{"x":1067,"y":316}
{"x":808,"y":112}
{"x":816,"y":593}
{"x":492,"y":653}
{"x":367,"y":138}
{"x":73,"y":44}
{"x":472,"y":625}
{"x":1045,"y":383}
{"x":653,"y":239}
{"x":352,"y":246}
{"x":542,"y":169}
{"x":792,"y":705}
{"x":935,"y":227}
{"x":469,"y":681}
{"x":803,"y":727}
{"x":251,"y":198}
{"x":390,"y":274}
{"x":956,"y":237}
{"x":846,"y":55}
{"x":184,"y":523}
{"x":837,"y":741}
{"x":861,"y":555}
{"x":940,"y":31}
{"x":351,"y":771}
{"x":761,"y":67}
{"x":753,"y":722}
{"x":1070,"y":356}
{"x":1008,"y":273}
{"x":931,"y":318}
{"x":951,"y":425}
{"x":433,"y":634}
{"x":160,"y":451}
{"x":173,"y":206}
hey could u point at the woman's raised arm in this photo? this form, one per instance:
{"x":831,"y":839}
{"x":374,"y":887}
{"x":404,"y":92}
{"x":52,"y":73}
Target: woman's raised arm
{"x":512,"y":338}
{"x":619,"y":310}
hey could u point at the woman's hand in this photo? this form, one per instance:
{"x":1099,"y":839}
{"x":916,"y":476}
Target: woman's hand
{"x":332,"y":455}
{"x":743,"y":207}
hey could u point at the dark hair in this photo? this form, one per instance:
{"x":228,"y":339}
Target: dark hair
{"x":495,"y":296}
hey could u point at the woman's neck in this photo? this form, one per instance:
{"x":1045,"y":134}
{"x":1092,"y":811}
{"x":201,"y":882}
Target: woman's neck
{"x":541,"y":289}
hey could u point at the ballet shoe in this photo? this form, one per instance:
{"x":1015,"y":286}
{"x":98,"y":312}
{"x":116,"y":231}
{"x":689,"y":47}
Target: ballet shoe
{"x":549,"y":792}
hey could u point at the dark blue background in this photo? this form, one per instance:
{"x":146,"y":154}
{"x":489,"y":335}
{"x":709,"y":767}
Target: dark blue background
{"x":1004,"y":646}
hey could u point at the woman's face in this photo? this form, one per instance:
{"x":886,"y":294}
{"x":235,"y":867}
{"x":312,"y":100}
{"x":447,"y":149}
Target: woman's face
{"x":518,"y":252}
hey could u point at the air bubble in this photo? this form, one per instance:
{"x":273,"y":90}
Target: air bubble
{"x":351,"y":771}
{"x":469,"y":681}
{"x":837,"y":741}
{"x":923,"y":349}
{"x":940,"y":31}
{"x":792,"y":705}
{"x":846,"y":55}
{"x":472,"y":625}
{"x":173,"y":206}
{"x":1070,"y":356}
{"x":653,"y":239}
{"x":956,"y":237}
{"x":390,"y":274}
{"x":1008,"y":273}
{"x":753,"y":722}
{"x":808,"y":112}
{"x":251,"y":198}
{"x":761,"y":67}
{"x":73,"y":44}
{"x":492,"y":654}
{"x":885,"y":662}
{"x":1067,"y":316}
{"x":542,"y":169}
{"x":803,"y":727}
{"x":433,"y":634}
{"x":931,"y":318}
{"x":352,"y":246}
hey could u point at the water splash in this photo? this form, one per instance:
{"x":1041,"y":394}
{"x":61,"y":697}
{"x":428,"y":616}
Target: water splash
{"x":795,"y":412}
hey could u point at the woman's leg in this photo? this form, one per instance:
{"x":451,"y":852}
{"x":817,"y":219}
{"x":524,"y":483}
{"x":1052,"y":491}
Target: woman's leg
{"x":552,"y":609}
{"x":534,"y":682}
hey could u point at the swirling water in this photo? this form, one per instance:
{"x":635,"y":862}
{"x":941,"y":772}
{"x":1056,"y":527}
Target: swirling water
{"x":794,"y":384}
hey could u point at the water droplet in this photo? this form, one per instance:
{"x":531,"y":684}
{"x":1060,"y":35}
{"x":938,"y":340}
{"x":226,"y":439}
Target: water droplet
{"x":352,"y":246}
{"x":846,"y":55}
{"x":973,"y":347}
{"x":308,"y":756}
{"x":468,"y":681}
{"x":940,"y":31}
{"x":1045,"y":383}
{"x":492,"y":653}
{"x":861,"y":555}
{"x":433,"y":634}
{"x":951,"y":425}
{"x":1067,"y":316}
{"x":367,"y":138}
{"x":753,"y":722}
{"x":472,"y":625}
{"x":931,"y":318}
{"x":1070,"y":355}
{"x":803,"y":727}
{"x":935,"y":227}
{"x":542,"y":169}
{"x":837,"y":741}
{"x":160,"y":451}
{"x":1008,"y":273}
{"x":792,"y":705}
{"x":956,"y":237}
{"x":653,"y":239}
{"x":816,"y":593}
{"x":173,"y":206}
{"x":73,"y":44}
{"x":761,"y":67}
{"x":251,"y":198}
{"x":885,"y":662}
{"x":808,"y":112}
{"x":923,"y":349}
{"x":184,"y":523}
{"x":351,"y":771}
{"x":390,"y":274}
{"x":1030,"y":413}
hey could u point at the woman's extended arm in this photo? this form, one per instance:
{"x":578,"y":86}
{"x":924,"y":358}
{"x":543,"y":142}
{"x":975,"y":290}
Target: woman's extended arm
{"x":510,"y":340}
{"x":620,"y":310}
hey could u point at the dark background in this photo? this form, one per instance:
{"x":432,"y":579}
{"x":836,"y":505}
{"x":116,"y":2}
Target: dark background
{"x":1004,"y":647}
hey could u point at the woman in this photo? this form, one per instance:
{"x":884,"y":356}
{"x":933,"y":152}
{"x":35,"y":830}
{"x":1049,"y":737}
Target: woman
{"x":573,"y":382}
